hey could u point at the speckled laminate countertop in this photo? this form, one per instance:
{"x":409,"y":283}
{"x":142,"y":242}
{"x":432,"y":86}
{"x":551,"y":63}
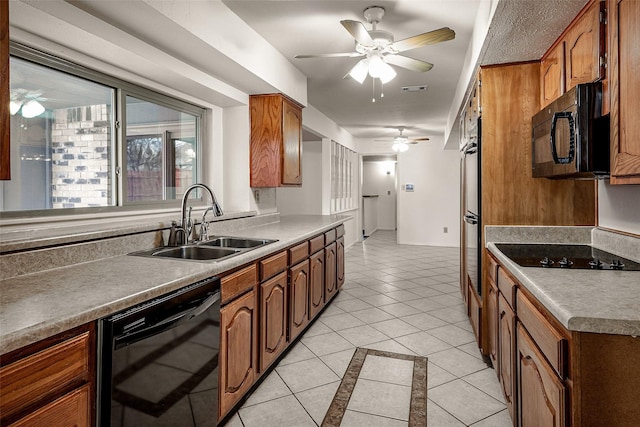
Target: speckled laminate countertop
{"x":36,"y":306}
{"x":581,"y":300}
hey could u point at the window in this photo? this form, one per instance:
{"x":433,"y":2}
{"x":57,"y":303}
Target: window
{"x":343,"y":194}
{"x":85,"y":142}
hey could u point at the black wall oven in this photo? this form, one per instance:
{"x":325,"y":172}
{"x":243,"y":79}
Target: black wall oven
{"x":158,"y":361}
{"x":471,"y":206}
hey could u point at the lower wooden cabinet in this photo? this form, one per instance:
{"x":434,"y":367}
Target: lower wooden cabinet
{"x":475,"y":311}
{"x":238,"y":362}
{"x":50,"y":382}
{"x":273,"y":319}
{"x":492,"y":323}
{"x":71,"y":410}
{"x":316,"y":283}
{"x":542,"y":395}
{"x":340,"y":262}
{"x":506,"y":354}
{"x":330,"y":279}
{"x":298,"y":298}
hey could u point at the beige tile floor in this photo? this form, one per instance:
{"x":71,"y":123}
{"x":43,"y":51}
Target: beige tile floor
{"x":398,"y":298}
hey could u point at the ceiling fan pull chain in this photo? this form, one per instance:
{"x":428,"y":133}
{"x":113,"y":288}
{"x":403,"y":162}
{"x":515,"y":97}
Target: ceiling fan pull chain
{"x":381,"y":89}
{"x":373,"y":90}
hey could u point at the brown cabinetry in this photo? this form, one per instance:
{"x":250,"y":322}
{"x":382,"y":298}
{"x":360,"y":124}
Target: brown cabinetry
{"x":542,"y":395}
{"x":276,"y":141}
{"x":273,"y":319}
{"x":330,"y":283}
{"x":552,"y":74}
{"x":238,"y":349}
{"x":340,"y":262}
{"x":492,"y":322}
{"x":578,"y":56}
{"x":506,"y":353}
{"x":50,"y":382}
{"x":299,"y":281}
{"x":624,"y":62}
{"x":316,"y":282}
{"x":5,"y":145}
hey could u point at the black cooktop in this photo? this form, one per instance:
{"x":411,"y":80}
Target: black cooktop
{"x":565,"y":256}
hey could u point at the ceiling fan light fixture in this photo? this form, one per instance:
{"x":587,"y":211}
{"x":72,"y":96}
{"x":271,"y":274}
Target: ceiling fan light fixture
{"x":379,"y":69}
{"x":360,"y":70}
{"x":387,"y":73}
{"x":399,"y":146}
{"x":32,"y":109}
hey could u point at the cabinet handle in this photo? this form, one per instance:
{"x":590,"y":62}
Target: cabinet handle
{"x":502,"y":313}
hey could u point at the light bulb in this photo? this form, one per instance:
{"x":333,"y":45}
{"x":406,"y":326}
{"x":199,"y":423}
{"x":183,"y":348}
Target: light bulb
{"x":32,"y":109}
{"x":359,"y":71}
{"x":375,"y":66}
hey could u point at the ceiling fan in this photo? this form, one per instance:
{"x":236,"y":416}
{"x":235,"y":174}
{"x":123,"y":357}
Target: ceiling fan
{"x":401,"y":142}
{"x":379,"y":48}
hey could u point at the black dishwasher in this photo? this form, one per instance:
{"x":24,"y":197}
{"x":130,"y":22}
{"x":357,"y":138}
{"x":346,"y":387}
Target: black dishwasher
{"x":158,"y":361}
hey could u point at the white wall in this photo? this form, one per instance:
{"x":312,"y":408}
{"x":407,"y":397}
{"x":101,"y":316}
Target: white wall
{"x":619,"y":207}
{"x":435,"y":201}
{"x":376,"y":180}
{"x":306,"y":199}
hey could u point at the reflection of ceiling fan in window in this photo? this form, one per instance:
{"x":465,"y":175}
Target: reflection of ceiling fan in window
{"x":27,"y":102}
{"x":379,"y":48}
{"x":401,"y":142}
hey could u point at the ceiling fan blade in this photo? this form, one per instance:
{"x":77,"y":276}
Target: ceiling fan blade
{"x":414,"y":140}
{"x":432,"y":37}
{"x":408,"y":63}
{"x":358,"y":31}
{"x":331,"y":55}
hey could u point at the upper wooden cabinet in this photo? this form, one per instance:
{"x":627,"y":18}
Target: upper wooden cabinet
{"x":585,"y":47}
{"x":552,"y":74}
{"x":577,"y":57}
{"x":5,"y":147}
{"x":276,"y":141}
{"x":624,"y":24}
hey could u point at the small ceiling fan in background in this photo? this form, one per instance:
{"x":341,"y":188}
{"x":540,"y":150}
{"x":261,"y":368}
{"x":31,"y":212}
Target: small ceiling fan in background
{"x":379,"y":48}
{"x":401,"y":142}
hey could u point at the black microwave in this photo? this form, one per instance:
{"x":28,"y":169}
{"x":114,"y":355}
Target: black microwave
{"x":571,"y":136}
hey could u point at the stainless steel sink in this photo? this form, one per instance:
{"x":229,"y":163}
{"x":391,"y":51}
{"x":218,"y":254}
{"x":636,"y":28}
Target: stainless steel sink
{"x":199,"y":253}
{"x":236,"y":242}
{"x":216,"y":249}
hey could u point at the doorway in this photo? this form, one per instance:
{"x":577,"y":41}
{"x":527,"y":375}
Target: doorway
{"x":379,"y":193}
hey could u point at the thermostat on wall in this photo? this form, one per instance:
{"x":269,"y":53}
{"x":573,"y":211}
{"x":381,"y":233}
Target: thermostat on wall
{"x":408,"y":187}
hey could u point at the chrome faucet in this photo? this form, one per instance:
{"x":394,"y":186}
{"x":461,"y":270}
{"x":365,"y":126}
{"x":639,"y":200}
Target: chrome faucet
{"x":186,"y":225}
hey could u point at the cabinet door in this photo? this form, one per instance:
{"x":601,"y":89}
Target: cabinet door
{"x":316,"y":283}
{"x":506,"y":353}
{"x":299,"y":298}
{"x":492,"y":324}
{"x":292,"y":144}
{"x":330,"y":283}
{"x":585,"y":47}
{"x":340,"y":262}
{"x":5,"y":152}
{"x":238,"y":350}
{"x":552,"y":75}
{"x":624,"y":23}
{"x":542,"y":395}
{"x":273,"y":319}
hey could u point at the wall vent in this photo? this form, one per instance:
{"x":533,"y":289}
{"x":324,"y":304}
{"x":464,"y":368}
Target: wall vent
{"x":419,"y":88}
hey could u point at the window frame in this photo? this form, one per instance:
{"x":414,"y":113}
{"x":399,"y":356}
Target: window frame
{"x":121,"y":89}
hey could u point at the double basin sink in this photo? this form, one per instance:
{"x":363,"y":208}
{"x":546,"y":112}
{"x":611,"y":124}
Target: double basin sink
{"x":215,"y":249}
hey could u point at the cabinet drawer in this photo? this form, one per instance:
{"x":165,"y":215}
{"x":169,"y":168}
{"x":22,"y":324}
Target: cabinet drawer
{"x":72,"y":409}
{"x":330,"y":236}
{"x":273,"y":265}
{"x":316,"y":244}
{"x":493,"y":270}
{"x":46,"y":373}
{"x":507,"y":286}
{"x":237,"y":283}
{"x":298,"y":253}
{"x":340,"y":230}
{"x":550,"y":341}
